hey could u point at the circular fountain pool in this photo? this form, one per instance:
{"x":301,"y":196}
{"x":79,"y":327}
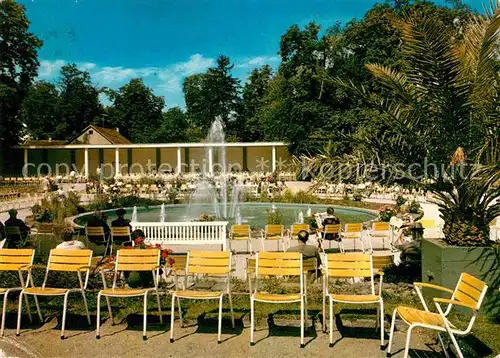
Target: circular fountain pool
{"x":254,"y":214}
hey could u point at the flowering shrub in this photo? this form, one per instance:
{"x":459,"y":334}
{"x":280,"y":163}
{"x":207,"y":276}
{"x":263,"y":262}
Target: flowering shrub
{"x":385,"y":213}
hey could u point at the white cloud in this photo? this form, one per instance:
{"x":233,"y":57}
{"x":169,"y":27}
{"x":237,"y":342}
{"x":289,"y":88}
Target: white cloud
{"x":49,"y":70}
{"x":257,"y":61}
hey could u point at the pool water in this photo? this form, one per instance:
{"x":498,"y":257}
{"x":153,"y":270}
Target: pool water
{"x":254,"y":214}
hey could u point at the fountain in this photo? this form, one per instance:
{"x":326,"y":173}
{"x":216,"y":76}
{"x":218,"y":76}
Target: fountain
{"x":162,"y":213}
{"x":300,"y":218}
{"x":134,"y":214}
{"x":309,"y":212}
{"x":238,"y":219}
{"x":212,"y":189}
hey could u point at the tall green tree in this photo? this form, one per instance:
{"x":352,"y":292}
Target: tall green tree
{"x":137,"y":112}
{"x":40,"y":111}
{"x":79,"y":101}
{"x":254,"y":98}
{"x":18,"y":68}
{"x":214,"y":93}
{"x":174,"y":127}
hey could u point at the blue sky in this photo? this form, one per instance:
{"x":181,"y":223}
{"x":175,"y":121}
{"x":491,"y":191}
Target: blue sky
{"x":164,"y":41}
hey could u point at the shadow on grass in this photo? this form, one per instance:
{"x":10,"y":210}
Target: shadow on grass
{"x":292,"y":331}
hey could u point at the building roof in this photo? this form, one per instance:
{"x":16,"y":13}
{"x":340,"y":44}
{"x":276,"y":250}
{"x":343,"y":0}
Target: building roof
{"x":112,"y":135}
{"x":44,"y":143}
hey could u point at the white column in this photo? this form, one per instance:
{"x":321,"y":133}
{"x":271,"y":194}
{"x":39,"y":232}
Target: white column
{"x":179,"y":161}
{"x":25,"y":169}
{"x":86,"y":162}
{"x":210,"y":161}
{"x":274,"y":159}
{"x":117,"y":162}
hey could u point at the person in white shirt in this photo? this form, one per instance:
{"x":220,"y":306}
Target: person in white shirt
{"x":68,"y":242}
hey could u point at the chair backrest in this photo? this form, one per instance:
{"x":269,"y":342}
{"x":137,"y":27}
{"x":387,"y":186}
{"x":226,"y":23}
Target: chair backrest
{"x":15,"y":259}
{"x":208,"y":262}
{"x":70,"y":261}
{"x":178,"y":262}
{"x":296,"y":228}
{"x":380,"y":226}
{"x":349,"y":266}
{"x":470,"y":290}
{"x":137,"y":260}
{"x":12,"y":231}
{"x":240,"y":232}
{"x":274,"y":230}
{"x":428,"y":223}
{"x":95,"y":231}
{"x":353,"y":227}
{"x":380,"y":261}
{"x":332,"y":229}
{"x":120,"y":231}
{"x":279,"y":264}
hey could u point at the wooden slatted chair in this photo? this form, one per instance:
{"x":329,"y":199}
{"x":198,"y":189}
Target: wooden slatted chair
{"x":468,"y":293}
{"x":206,"y":263}
{"x":119,"y":233}
{"x":332,"y":229}
{"x":16,"y":260}
{"x":273,"y":232}
{"x":379,"y":262}
{"x":61,"y":260}
{"x":133,"y":260}
{"x":353,"y":231}
{"x":381,"y":230}
{"x":296,"y":228}
{"x":348,"y":266}
{"x":279,"y":264}
{"x":97,"y":234}
{"x":240,"y":233}
{"x":13,"y":234}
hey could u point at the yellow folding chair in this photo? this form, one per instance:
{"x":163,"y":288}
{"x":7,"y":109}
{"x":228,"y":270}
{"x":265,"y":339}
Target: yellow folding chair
{"x":279,"y":264}
{"x":241,"y":233}
{"x":273,"y":232}
{"x":61,"y":260}
{"x":133,"y":260}
{"x":206,"y":263}
{"x":468,"y":293}
{"x":353,"y":231}
{"x":347,"y":266}
{"x":381,"y":230}
{"x":16,"y":260}
{"x":120,"y":232}
{"x":332,"y":229}
{"x":296,"y":228}
{"x":98,"y":232}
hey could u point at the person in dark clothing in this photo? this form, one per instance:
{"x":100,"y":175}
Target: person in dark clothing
{"x":15,"y":241}
{"x":2,"y":231}
{"x":99,"y":220}
{"x":330,"y":219}
{"x":120,"y":221}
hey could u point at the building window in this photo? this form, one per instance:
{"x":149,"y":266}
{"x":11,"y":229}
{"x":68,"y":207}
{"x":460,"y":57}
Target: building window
{"x":91,"y":131}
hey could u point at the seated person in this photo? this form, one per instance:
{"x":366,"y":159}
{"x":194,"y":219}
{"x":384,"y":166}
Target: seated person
{"x":120,"y":221}
{"x":14,"y":242}
{"x":68,"y":242}
{"x":308,"y":251}
{"x":329,"y":219}
{"x":99,"y":220}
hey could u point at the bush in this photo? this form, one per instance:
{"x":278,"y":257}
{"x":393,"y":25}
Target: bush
{"x":400,"y":201}
{"x":414,"y":207}
{"x":357,"y":196}
{"x":386,"y":213}
{"x":55,"y":210}
{"x":274,"y":217}
{"x":106,"y":202}
{"x":304,"y":197}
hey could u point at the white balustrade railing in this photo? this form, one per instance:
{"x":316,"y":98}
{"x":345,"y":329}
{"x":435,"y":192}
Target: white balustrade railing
{"x":184,"y":233}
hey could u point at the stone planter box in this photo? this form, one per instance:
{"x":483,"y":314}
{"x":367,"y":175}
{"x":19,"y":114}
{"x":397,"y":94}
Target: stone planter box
{"x":442,"y":264}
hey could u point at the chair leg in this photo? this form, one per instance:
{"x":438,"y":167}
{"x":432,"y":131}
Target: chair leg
{"x":65,"y":307}
{"x":159,"y":306}
{"x":86,"y":307}
{"x":324,"y":307}
{"x":180,"y":312}
{"x":252,"y":319}
{"x":220,"y":320}
{"x":331,"y":322}
{"x":382,"y":324}
{"x":407,"y":343}
{"x":108,"y":303}
{"x":98,"y":319}
{"x":172,"y":318}
{"x":391,"y":333}
{"x":445,"y":351}
{"x":19,"y":311}
{"x":455,"y":343}
{"x":27,"y":307}
{"x":4,"y":309}
{"x":145,"y":317}
{"x":302,"y":345}
{"x":231,"y":309}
